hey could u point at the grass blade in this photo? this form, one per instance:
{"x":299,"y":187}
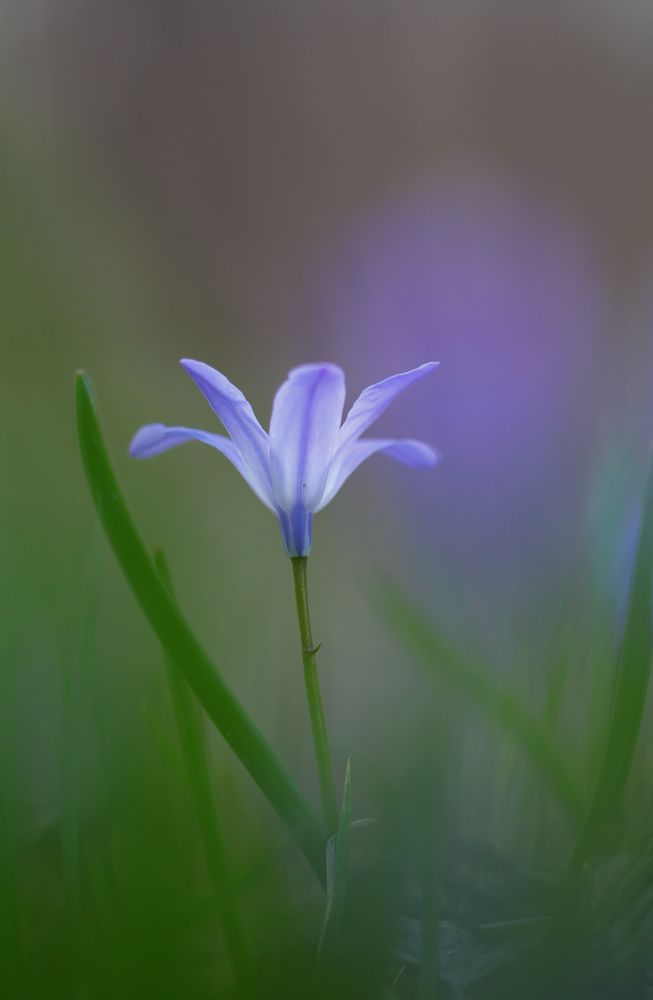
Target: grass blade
{"x":75,"y":673}
{"x":193,"y":745}
{"x":629,"y":695}
{"x":337,"y":856}
{"x":11,"y":952}
{"x":416,"y":631}
{"x":176,"y":637}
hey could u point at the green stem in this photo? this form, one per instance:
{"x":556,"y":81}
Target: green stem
{"x":315,"y":709}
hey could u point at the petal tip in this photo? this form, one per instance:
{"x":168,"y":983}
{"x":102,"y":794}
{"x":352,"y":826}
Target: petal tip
{"x":210,"y":380}
{"x":316,"y":368}
{"x":143,"y":439}
{"x":421,"y":454}
{"x":189,"y":365}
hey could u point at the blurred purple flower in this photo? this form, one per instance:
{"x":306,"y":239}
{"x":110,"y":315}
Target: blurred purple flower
{"x":298,"y":467}
{"x":504,"y":289}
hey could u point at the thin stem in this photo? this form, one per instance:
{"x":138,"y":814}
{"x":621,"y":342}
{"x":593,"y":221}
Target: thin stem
{"x":316,"y":712}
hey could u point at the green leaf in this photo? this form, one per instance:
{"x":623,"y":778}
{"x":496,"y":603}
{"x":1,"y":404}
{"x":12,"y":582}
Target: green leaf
{"x":193,"y":745}
{"x":416,"y":630}
{"x":176,"y":637}
{"x":11,"y":955}
{"x":629,"y":696}
{"x":75,"y":674}
{"x":336,"y":870}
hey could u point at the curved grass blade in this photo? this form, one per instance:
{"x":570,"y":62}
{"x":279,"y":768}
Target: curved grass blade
{"x":337,"y":856}
{"x":416,"y":630}
{"x":176,"y":637}
{"x":629,"y":695}
{"x":193,"y":744}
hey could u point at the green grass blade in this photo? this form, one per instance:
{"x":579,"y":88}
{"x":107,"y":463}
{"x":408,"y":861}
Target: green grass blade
{"x":176,"y":637}
{"x":11,"y":952}
{"x":629,"y":695}
{"x":337,"y":857}
{"x":193,"y":745}
{"x":75,"y":673}
{"x":417,"y":632}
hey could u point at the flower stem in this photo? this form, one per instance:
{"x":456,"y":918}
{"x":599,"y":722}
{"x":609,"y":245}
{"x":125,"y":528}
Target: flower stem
{"x":316,"y":712}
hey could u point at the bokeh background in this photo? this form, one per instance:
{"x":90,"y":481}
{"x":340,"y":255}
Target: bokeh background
{"x":257,"y":185}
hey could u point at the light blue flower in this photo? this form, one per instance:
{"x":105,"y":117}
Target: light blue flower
{"x":298,"y":467}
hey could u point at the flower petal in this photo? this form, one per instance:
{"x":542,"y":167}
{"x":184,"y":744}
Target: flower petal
{"x":239,"y":421}
{"x":375,"y":399}
{"x":305,"y":420}
{"x":156,"y":438}
{"x":413,"y":453}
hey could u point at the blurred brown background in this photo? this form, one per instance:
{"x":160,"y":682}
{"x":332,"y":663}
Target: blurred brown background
{"x":235,"y":136}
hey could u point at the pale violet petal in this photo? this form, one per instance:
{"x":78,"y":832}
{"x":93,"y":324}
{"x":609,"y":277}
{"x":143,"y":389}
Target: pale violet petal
{"x":303,"y":430}
{"x":374,"y":400}
{"x":155,"y":438}
{"x":239,"y":421}
{"x":413,"y":453}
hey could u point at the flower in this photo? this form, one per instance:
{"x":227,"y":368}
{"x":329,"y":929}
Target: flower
{"x":298,"y":467}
